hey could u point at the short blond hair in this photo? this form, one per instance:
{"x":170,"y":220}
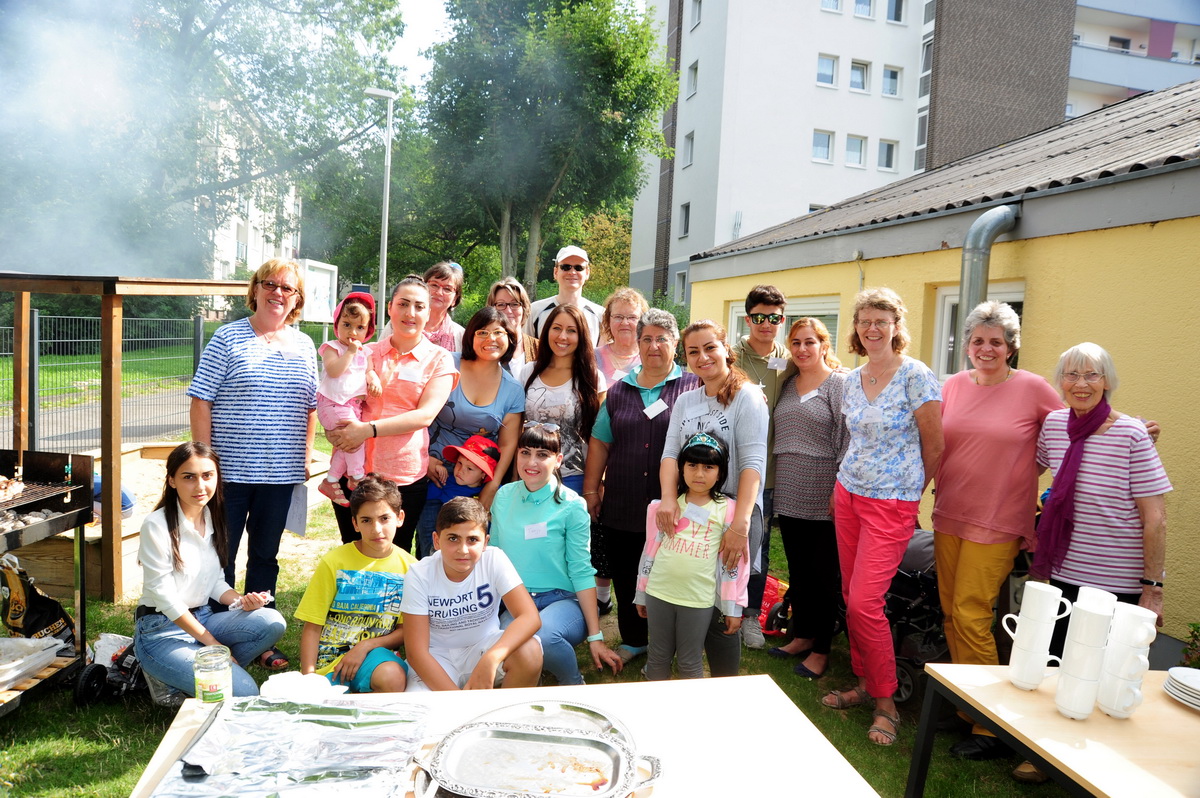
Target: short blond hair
{"x":879,"y":299}
{"x":270,"y":268}
{"x":624,"y":294}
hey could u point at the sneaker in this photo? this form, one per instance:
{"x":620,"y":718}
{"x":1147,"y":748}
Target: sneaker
{"x":604,"y":607}
{"x":752,"y":635}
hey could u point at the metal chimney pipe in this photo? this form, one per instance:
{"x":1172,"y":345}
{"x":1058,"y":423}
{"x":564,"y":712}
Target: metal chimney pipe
{"x":976,"y":255}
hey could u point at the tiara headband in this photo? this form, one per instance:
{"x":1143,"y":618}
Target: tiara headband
{"x":703,"y":439}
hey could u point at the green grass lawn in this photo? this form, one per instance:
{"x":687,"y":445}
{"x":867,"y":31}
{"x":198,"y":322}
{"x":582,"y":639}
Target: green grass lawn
{"x":49,"y":747}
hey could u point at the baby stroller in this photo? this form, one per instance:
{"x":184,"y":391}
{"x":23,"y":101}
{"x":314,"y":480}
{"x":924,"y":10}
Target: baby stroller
{"x":915,"y":614}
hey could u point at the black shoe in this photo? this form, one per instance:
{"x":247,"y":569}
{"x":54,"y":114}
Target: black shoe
{"x":979,"y":747}
{"x":604,"y":607}
{"x":953,"y":723}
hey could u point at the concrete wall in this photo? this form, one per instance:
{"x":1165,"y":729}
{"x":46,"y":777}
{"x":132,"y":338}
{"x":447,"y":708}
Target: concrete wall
{"x":1125,"y":288}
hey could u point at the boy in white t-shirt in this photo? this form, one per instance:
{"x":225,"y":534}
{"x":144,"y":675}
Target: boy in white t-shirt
{"x":451,"y":607}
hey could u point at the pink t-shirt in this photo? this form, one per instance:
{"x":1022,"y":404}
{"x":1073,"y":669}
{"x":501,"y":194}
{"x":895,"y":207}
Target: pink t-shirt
{"x":403,"y":458}
{"x":986,"y":489}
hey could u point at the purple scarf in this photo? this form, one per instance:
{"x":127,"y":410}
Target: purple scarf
{"x":1058,"y":516}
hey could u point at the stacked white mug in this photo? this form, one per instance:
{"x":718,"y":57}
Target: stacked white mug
{"x":1041,"y":606}
{"x":1083,"y":653}
{"x":1126,"y":660}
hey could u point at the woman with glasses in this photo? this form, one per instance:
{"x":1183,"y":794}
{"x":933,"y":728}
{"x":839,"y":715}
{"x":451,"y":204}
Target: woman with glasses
{"x":563,"y":387}
{"x":730,"y":407}
{"x":508,"y":296}
{"x":417,"y":377}
{"x":544,"y":529}
{"x":254,"y":393}
{"x":621,"y":477}
{"x":892,"y":408}
{"x":487,"y":401}
{"x":618,"y":329}
{"x":1104,"y":524}
{"x":445,"y":281}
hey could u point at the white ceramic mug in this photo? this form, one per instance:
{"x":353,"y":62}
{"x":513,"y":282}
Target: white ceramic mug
{"x":1096,"y":598}
{"x":1089,"y":625}
{"x":1126,"y":662}
{"x":1029,"y":633}
{"x":1133,"y":625}
{"x":1043,"y":602}
{"x":1075,"y":697}
{"x":1084,"y":662}
{"x":1118,"y":698}
{"x":1027,"y":669}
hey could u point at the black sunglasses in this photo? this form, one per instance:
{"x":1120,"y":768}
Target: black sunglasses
{"x":579,"y":267}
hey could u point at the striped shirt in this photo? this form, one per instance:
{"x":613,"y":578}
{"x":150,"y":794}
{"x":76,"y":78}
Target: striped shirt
{"x":261,"y":397}
{"x":1118,"y":466}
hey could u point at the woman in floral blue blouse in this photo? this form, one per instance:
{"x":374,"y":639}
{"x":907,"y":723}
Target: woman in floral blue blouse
{"x":893,"y":412}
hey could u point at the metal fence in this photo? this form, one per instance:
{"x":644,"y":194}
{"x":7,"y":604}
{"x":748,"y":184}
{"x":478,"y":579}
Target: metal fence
{"x":158,"y":359}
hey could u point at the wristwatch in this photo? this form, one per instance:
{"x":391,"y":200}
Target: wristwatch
{"x":1150,"y":582}
{"x":596,"y":638}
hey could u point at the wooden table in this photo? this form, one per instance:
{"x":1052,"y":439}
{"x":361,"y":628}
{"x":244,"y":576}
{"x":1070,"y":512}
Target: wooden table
{"x":1155,"y":752}
{"x":679,"y":722}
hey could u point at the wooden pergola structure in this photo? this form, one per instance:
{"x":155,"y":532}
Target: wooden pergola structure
{"x":112,"y":291}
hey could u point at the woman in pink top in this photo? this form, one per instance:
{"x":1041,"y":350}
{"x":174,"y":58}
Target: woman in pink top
{"x":618,"y":329}
{"x":986,"y":492}
{"x":417,"y":377}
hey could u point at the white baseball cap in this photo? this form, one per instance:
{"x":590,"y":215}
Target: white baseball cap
{"x":568,"y":251}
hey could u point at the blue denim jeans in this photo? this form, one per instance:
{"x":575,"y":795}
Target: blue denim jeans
{"x":260,"y":511}
{"x":166,"y":652}
{"x":563,"y":628}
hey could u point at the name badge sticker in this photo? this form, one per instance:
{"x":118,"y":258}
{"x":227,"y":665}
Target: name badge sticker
{"x":408,"y":374}
{"x":810,"y":395}
{"x":656,"y":408}
{"x":872,"y":415}
{"x":696,"y":514}
{"x":619,"y":375}
{"x":537,"y":530}
{"x":777,"y":363}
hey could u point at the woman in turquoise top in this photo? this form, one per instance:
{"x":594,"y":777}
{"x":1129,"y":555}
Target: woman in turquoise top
{"x":545,"y":530}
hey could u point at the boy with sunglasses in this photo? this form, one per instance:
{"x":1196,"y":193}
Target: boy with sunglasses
{"x":765,"y":360}
{"x":571,"y":271}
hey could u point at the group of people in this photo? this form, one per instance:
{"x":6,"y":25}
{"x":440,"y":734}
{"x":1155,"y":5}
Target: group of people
{"x":551,"y":456}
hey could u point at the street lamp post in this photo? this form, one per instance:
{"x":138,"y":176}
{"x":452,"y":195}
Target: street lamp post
{"x":390,"y":96}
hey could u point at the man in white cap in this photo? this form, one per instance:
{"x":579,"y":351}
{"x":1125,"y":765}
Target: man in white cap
{"x":571,"y":271}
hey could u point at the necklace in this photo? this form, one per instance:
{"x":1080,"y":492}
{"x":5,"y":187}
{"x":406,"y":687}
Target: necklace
{"x":975,"y":377}
{"x":269,"y":337}
{"x":873,"y":379}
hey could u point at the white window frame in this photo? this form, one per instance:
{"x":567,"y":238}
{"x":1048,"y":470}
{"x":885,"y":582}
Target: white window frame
{"x":865,"y":66}
{"x":832,"y":6}
{"x":887,"y":13}
{"x":697,"y":8}
{"x":899,"y":82}
{"x":895,"y":145}
{"x":870,"y":4}
{"x":832,"y":143}
{"x":680,"y":286}
{"x":822,"y":307}
{"x":689,"y":149}
{"x":693,"y":78}
{"x":861,"y":163}
{"x":944,"y":303}
{"x":685,"y":219}
{"x":832,"y":84}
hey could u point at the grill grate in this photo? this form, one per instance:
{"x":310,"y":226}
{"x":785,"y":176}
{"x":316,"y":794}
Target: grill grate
{"x":35,"y":491}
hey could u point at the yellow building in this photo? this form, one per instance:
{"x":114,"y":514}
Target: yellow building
{"x":1105,"y":248}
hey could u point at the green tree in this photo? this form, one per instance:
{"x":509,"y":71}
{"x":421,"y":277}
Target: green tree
{"x":133,"y":128}
{"x":539,"y":107}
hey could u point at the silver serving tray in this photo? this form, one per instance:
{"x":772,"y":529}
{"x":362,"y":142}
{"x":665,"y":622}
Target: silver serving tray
{"x":500,"y":759}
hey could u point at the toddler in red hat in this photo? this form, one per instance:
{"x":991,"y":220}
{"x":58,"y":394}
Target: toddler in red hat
{"x":474,"y":465}
{"x":344,"y":385}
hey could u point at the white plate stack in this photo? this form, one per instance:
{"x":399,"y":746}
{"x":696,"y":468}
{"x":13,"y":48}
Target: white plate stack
{"x":1183,"y":684}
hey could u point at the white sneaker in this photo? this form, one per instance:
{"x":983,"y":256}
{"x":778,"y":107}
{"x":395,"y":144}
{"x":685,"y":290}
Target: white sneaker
{"x":752,"y":635}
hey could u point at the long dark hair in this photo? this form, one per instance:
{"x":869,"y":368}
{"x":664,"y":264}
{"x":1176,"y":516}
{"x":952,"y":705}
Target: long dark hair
{"x":538,"y":437}
{"x":705,"y":454}
{"x":169,"y":503}
{"x":585,"y":380}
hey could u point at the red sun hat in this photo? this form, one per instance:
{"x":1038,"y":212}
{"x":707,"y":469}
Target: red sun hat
{"x":364,"y":299}
{"x":481,"y":451}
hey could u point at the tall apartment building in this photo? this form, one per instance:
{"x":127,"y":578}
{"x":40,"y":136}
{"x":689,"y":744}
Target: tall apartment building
{"x":786,"y":106}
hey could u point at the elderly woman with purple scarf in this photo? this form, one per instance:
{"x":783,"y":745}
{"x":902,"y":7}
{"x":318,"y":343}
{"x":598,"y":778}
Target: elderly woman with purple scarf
{"x":1105,"y":523}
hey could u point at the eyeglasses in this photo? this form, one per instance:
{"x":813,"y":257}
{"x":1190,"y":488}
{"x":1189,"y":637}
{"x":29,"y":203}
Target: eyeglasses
{"x":506,"y":305}
{"x":579,"y":267}
{"x":625,"y":319}
{"x":863,"y":324}
{"x":483,"y":335}
{"x":441,"y":288}
{"x":661,"y":340}
{"x":548,"y":426}
{"x":270,"y":286}
{"x":1090,"y":377}
{"x":759,"y":318}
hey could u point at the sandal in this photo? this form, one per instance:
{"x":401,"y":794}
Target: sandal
{"x":333,"y":491}
{"x":273,"y":660}
{"x":841,"y":699}
{"x":889,"y":735}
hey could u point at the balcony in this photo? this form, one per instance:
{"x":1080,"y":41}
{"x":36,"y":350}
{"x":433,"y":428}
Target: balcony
{"x":1128,"y":68}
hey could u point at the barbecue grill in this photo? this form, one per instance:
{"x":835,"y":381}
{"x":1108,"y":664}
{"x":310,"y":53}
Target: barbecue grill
{"x":62,"y":484}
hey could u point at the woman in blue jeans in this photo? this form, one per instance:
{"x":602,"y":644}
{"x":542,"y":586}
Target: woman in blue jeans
{"x":545,"y":529}
{"x":183,"y":548}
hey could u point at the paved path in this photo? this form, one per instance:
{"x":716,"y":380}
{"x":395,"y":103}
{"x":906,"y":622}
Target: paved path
{"x":76,"y":428}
